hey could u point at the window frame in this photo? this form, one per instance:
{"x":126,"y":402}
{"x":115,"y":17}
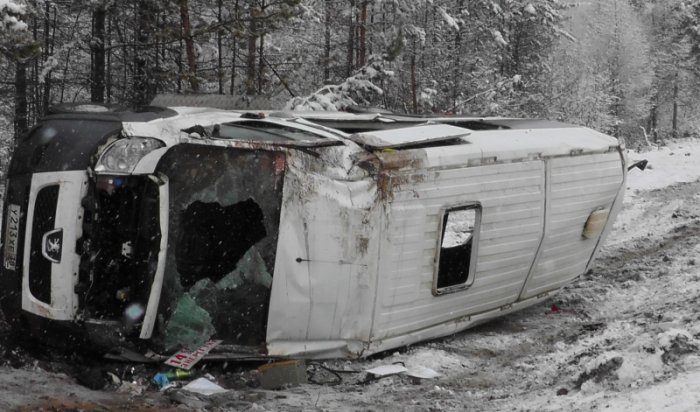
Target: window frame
{"x":476,"y":206}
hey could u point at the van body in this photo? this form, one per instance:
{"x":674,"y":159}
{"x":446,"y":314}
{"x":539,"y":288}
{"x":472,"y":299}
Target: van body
{"x":313,"y":235}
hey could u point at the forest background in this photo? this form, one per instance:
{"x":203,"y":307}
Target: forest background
{"x":630,"y":68}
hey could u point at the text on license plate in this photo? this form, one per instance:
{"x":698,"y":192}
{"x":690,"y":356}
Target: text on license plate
{"x":11,"y":237}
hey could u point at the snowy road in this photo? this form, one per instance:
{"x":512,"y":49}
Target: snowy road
{"x":622,"y":337}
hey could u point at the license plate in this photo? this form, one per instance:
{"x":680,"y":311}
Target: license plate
{"x":11,"y":237}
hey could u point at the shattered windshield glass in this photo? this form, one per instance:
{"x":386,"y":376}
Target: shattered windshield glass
{"x":223,"y":225}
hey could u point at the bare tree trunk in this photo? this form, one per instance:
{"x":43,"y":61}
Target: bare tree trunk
{"x":48,"y":51}
{"x":120,"y":83}
{"x":351,"y":41}
{"x":250,"y":61}
{"x":189,"y":44}
{"x":414,"y":86}
{"x":234,"y":51}
{"x":327,"y":45}
{"x":219,"y":61}
{"x":154,"y":49}
{"x":653,"y":116}
{"x":457,"y":68}
{"x":180,"y":69}
{"x":362,"y":49}
{"x":108,"y":68}
{"x":122,"y":86}
{"x":20,"y":121}
{"x":261,"y":50}
{"x":33,"y":103}
{"x":97,"y":74}
{"x":143,"y":75}
{"x":261,"y":62}
{"x":675,"y":107}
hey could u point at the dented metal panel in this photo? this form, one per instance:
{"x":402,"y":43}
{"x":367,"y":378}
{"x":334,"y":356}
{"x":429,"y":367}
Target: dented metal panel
{"x":325,"y":264}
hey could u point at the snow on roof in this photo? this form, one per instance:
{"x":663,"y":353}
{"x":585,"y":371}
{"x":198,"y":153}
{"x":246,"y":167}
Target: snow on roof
{"x":553,"y":139}
{"x":422,"y":133}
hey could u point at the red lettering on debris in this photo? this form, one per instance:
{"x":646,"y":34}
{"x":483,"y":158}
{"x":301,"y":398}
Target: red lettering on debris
{"x":186,"y":359}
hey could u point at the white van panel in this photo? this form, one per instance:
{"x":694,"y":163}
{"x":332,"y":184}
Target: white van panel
{"x":512,"y":199}
{"x":578,"y":187}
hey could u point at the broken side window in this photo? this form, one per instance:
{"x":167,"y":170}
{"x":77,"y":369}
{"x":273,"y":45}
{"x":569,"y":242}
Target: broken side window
{"x":224,"y":216}
{"x":456,"y":259}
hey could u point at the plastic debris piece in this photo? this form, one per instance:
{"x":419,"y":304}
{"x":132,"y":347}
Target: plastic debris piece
{"x":163,"y":378}
{"x":204,"y":386}
{"x":276,"y":375}
{"x":190,"y":325}
{"x":186,"y":359}
{"x":168,"y":386}
{"x":386,"y":370}
{"x":115,"y":378}
{"x":422,"y":372}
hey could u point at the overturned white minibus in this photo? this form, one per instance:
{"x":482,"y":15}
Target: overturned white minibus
{"x":313,"y":235}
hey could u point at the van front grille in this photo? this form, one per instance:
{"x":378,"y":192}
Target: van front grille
{"x":44,"y":221}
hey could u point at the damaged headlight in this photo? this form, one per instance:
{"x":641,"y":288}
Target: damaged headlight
{"x":123,"y":155}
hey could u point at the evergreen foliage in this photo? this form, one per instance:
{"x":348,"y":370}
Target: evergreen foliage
{"x":614,"y":65}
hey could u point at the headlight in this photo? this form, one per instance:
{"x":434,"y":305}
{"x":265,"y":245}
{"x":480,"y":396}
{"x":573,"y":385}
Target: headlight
{"x":123,"y":155}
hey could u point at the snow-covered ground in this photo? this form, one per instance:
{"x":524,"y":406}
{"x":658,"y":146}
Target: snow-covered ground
{"x":625,"y":336}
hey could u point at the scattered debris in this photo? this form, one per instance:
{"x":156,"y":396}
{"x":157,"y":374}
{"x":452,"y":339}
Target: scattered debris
{"x":279,"y":374}
{"x":115,"y":378}
{"x":204,"y":386}
{"x":186,"y":359}
{"x":133,"y":388}
{"x":387,"y":370}
{"x":162,"y":379}
{"x":422,"y":372}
